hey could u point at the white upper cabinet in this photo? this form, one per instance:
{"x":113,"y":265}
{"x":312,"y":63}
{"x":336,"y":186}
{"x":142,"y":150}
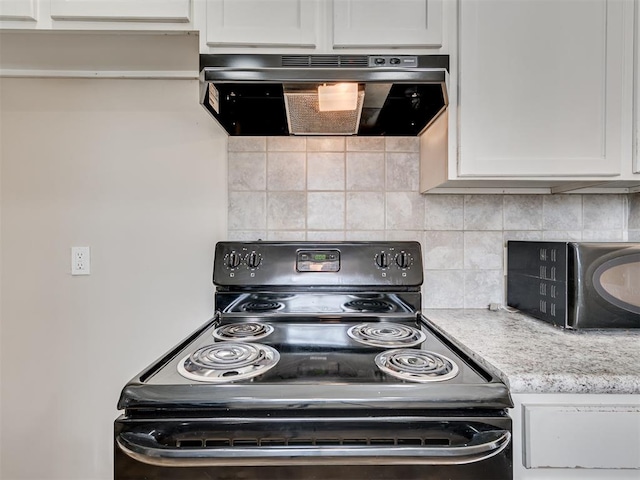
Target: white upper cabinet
{"x":146,"y":10}
{"x":381,"y":23}
{"x":262,"y":23}
{"x":544,"y":88}
{"x":541,"y":98}
{"x":98,"y":15}
{"x":18,"y":10}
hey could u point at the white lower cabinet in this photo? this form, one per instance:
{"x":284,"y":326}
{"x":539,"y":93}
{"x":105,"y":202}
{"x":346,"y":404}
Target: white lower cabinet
{"x":576,"y":436}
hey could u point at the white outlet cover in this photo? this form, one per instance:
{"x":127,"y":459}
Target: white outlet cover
{"x":80,"y":261}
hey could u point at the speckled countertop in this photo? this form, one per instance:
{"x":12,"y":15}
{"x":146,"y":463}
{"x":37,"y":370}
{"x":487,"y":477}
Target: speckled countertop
{"x":532,"y":356}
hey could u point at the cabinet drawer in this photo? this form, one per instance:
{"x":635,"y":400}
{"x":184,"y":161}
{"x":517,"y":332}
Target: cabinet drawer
{"x":585,"y":436}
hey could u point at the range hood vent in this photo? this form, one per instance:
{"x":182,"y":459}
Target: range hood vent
{"x":398,"y":95}
{"x":325,"y":61}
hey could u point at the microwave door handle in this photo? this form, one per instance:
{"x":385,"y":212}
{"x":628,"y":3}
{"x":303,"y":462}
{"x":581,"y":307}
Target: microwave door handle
{"x":144,"y":448}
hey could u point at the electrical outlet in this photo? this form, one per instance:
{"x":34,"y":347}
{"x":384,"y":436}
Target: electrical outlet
{"x":80,"y":261}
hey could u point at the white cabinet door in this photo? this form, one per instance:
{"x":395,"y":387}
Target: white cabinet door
{"x":636,"y":86}
{"x":544,"y":88}
{"x":381,"y":23}
{"x":581,"y":436}
{"x":139,"y":10}
{"x":18,"y":10}
{"x":576,"y":436}
{"x":262,"y":23}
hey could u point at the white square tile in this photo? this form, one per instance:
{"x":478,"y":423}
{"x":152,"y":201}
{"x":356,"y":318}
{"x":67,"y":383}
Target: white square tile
{"x":402,"y":144}
{"x":365,"y":144}
{"x":365,"y":235}
{"x":523,"y":212}
{"x":403,"y":171}
{"x":404,"y":211}
{"x":443,"y":250}
{"x":483,"y":250}
{"x":325,"y":236}
{"x":325,"y":171}
{"x":633,"y":236}
{"x":365,"y":211}
{"x":562,"y":212}
{"x":444,"y":212}
{"x":247,"y":144}
{"x":443,"y":289}
{"x":325,"y":144}
{"x":483,"y":212}
{"x":602,"y":235}
{"x":365,"y":171}
{"x":286,"y":144}
{"x":603,"y":212}
{"x":247,"y":211}
{"x":325,"y":210}
{"x":405,"y":236}
{"x":286,"y":171}
{"x":530,"y":235}
{"x":285,"y":236}
{"x":247,"y":170}
{"x":482,"y":287}
{"x":286,"y":210}
{"x":634,"y":211}
{"x":562,"y":235}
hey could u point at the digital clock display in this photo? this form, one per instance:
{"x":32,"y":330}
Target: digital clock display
{"x":318,"y":261}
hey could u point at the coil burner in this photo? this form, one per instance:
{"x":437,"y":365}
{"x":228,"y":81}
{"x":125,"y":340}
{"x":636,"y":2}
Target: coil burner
{"x":228,"y":361}
{"x":386,"y":335}
{"x":262,"y":306}
{"x":369,"y":305}
{"x":246,"y":332}
{"x":416,"y":365}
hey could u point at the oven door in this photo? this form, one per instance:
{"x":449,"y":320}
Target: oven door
{"x":327,"y":447}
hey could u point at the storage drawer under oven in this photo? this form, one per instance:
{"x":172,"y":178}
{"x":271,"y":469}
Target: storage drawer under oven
{"x":388,"y":447}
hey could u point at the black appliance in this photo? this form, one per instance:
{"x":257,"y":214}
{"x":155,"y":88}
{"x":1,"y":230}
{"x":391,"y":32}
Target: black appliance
{"x":576,"y":284}
{"x":316,"y":365}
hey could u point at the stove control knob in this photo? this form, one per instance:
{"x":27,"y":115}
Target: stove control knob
{"x":383,"y":259}
{"x":254,"y":260}
{"x":233,"y":260}
{"x":404,"y":260}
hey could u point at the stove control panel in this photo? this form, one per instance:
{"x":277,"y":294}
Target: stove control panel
{"x":326,"y":264}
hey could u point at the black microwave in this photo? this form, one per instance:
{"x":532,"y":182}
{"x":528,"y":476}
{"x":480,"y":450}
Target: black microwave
{"x":576,"y":284}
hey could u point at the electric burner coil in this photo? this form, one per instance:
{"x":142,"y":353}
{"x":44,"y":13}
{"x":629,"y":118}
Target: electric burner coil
{"x":416,"y":365}
{"x":386,"y":335}
{"x":225,"y":362}
{"x":246,"y":331}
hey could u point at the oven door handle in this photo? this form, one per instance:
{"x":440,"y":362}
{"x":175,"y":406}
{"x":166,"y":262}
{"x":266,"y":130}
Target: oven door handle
{"x":145,"y":448}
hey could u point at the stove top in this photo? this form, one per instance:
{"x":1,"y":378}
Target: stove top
{"x":307,"y":351}
{"x":330,"y":325}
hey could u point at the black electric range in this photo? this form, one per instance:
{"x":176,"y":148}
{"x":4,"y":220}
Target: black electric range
{"x":317,"y":364}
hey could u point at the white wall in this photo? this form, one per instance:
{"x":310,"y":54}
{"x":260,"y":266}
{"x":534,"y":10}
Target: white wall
{"x":136,"y":170}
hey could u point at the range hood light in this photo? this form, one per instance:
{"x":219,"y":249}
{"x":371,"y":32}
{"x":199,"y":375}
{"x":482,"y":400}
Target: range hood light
{"x":339,"y":97}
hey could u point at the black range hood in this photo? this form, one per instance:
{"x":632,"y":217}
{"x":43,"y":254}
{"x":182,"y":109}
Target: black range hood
{"x":398,"y":95}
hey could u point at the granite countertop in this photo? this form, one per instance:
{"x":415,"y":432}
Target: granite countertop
{"x":532,"y":356}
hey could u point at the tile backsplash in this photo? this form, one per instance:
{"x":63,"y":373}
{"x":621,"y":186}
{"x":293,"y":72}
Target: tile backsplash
{"x":366,"y":188}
